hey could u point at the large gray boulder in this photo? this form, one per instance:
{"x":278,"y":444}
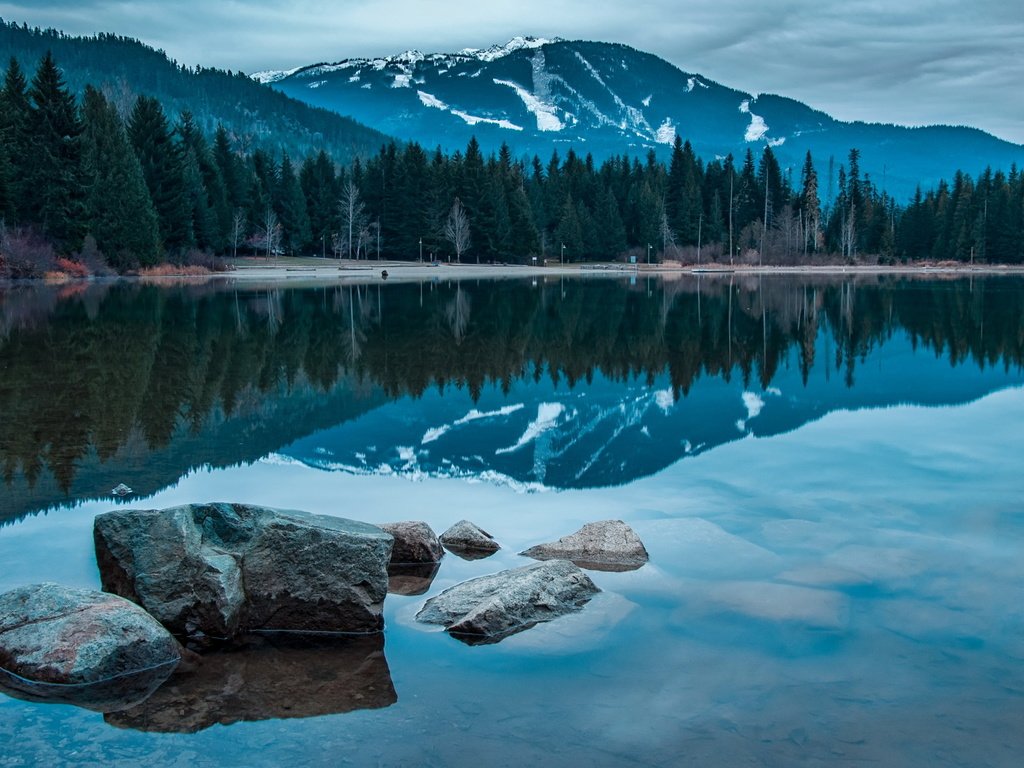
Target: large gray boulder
{"x":268,"y":676}
{"x":609,"y":545}
{"x":415,"y":542}
{"x":222,"y":569}
{"x":80,"y":646}
{"x":490,"y":608}
{"x":469,"y":541}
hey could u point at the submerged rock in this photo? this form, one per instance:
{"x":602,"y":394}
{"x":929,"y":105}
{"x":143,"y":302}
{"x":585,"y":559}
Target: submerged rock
{"x":222,"y":569}
{"x":609,"y":545}
{"x":415,"y":542}
{"x":411,"y":579}
{"x":469,"y":541}
{"x":265,"y":676}
{"x":82,"y":647}
{"x":490,"y":608}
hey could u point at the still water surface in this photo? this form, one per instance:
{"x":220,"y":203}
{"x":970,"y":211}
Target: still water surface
{"x":826,"y":474}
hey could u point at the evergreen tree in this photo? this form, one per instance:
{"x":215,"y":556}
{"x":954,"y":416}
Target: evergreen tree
{"x":810,"y":206}
{"x":52,"y":186}
{"x":120,"y":215}
{"x":211,"y":208}
{"x":291,"y":210}
{"x":320,"y":189}
{"x":14,"y":141}
{"x":163,"y":169}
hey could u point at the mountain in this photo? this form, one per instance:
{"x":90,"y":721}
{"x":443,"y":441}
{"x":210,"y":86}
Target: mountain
{"x":603,"y":98}
{"x":125,"y":68}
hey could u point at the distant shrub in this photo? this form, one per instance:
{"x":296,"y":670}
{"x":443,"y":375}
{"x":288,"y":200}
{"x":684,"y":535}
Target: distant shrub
{"x":197,"y":258}
{"x":173,"y":270}
{"x":23,"y":254}
{"x":71,"y":268}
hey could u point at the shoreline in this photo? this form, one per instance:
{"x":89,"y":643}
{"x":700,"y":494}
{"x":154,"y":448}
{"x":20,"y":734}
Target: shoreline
{"x":317,"y":270}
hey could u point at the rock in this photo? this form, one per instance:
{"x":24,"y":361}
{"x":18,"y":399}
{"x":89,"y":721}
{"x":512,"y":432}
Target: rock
{"x":610,"y":545}
{"x":222,"y":569}
{"x":82,"y":647}
{"x":414,"y":579}
{"x":469,"y":541}
{"x":490,"y":608}
{"x":415,"y":542}
{"x":268,"y":676}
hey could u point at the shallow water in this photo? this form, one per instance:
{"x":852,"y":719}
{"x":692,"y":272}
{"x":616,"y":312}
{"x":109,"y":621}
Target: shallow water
{"x":826,"y":476}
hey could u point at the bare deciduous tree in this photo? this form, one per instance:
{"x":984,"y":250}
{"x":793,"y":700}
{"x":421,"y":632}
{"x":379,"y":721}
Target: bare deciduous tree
{"x":238,"y":223}
{"x":353,"y":216}
{"x":268,"y":238}
{"x":456,"y":229}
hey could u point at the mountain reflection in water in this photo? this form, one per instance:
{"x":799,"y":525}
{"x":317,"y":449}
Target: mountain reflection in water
{"x":540,"y":384}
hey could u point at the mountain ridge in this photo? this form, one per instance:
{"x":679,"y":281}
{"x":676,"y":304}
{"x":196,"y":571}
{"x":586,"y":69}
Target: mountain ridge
{"x":605,"y":99}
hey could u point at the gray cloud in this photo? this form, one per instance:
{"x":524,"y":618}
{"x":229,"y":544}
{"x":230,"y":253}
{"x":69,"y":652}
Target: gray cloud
{"x":923,"y":61}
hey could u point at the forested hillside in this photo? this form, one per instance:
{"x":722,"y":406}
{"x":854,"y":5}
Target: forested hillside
{"x":253,"y":116}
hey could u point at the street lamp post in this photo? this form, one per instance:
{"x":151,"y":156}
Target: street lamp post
{"x":648,"y":254}
{"x":421,"y":250}
{"x":561,"y":256}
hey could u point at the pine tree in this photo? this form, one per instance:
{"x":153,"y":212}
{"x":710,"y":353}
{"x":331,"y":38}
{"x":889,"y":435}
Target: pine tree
{"x":14,"y":140}
{"x":810,"y":205}
{"x":163,"y":169}
{"x":120,"y":215}
{"x":211,"y":208}
{"x":291,"y":210}
{"x":52,"y":175}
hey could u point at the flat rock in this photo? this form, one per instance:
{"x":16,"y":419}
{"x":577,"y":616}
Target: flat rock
{"x":491,"y":608}
{"x":82,"y":647}
{"x":609,"y":545}
{"x":222,"y":569}
{"x":268,"y":676}
{"x":415,"y":543}
{"x":469,"y":541}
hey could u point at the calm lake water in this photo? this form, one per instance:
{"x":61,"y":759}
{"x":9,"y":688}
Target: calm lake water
{"x":826,"y":473}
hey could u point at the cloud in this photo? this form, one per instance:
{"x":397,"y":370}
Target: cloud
{"x":916,"y":62}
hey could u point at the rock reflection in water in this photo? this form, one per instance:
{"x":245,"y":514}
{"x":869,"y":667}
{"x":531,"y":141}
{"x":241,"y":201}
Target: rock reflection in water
{"x":113,"y":695}
{"x":273,"y":675}
{"x":411,"y":578}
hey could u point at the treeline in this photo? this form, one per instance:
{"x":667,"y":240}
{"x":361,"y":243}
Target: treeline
{"x":133,"y":189}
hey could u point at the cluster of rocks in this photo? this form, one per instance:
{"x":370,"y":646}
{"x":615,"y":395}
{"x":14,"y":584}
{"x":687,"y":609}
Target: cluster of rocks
{"x":202,"y":573}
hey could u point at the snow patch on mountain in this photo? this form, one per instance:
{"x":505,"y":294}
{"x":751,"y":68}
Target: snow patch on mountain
{"x":666,"y":133}
{"x":435,"y":433}
{"x":475,"y":119}
{"x":547,"y":419}
{"x":693,"y":82}
{"x":273,"y":75}
{"x":402,"y":80}
{"x":429,"y":100}
{"x":664,"y":399}
{"x":757,"y":128}
{"x":547,"y":119}
{"x":513,"y":45}
{"x":647,"y":102}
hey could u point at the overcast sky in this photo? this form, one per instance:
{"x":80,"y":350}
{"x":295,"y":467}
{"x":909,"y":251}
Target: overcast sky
{"x":904,"y":61}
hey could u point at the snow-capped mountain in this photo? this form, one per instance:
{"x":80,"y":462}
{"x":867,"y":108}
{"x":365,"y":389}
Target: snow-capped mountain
{"x":602,"y":98}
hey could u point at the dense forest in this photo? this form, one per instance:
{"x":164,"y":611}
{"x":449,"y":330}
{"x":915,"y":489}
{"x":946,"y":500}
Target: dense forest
{"x":208,"y":375}
{"x":86,"y":185}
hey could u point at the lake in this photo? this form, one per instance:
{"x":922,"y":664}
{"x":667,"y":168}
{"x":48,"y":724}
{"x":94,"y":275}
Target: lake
{"x":826,"y":473}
